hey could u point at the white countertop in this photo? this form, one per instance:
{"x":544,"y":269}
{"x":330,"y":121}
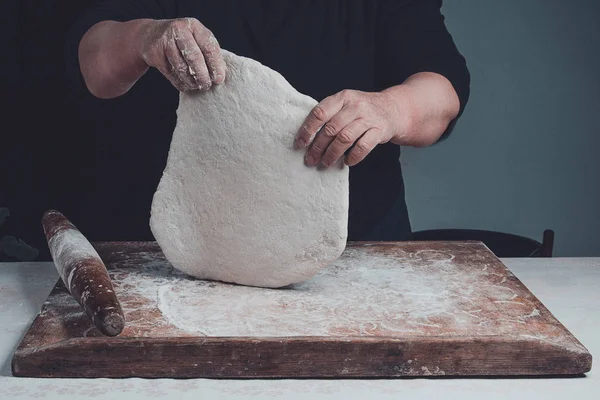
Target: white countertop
{"x":569,"y":287}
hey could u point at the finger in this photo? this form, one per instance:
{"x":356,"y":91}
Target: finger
{"x":317,"y":117}
{"x":328,"y":133}
{"x":363,"y":147}
{"x":193,"y":57}
{"x":179,"y":65}
{"x":212,"y":53}
{"x":174,"y":79}
{"x":343,"y":141}
{"x":166,"y":69}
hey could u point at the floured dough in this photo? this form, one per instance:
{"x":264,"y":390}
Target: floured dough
{"x":236,"y":202}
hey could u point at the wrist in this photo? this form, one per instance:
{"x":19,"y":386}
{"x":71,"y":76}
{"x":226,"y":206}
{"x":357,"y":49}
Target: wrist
{"x":404,"y":113}
{"x":140,"y":33}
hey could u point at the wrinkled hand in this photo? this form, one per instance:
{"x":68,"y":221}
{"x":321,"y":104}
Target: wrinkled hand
{"x":185,"y":52}
{"x":349,"y":119}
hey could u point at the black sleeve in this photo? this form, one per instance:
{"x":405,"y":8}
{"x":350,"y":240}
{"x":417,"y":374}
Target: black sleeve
{"x":411,"y":37}
{"x":110,"y":10}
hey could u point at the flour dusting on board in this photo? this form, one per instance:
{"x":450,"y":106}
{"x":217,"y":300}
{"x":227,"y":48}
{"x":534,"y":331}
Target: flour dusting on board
{"x":361,"y":294}
{"x":374,"y":290}
{"x":371,"y":290}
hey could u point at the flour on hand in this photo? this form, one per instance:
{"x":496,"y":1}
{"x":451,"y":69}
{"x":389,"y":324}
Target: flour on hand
{"x":236,"y":202}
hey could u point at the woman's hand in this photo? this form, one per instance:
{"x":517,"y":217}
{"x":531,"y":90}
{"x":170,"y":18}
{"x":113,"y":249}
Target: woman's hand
{"x":185,"y":52}
{"x":114,"y":55}
{"x":350,"y":118}
{"x":415,"y":113}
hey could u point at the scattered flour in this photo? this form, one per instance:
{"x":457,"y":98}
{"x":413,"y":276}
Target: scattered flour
{"x":66,"y":246}
{"x":363,"y":293}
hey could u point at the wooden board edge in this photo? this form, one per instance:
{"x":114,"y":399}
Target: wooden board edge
{"x":313,"y":357}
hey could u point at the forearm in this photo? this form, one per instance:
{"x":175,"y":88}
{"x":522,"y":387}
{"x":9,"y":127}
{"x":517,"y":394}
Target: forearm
{"x":428,"y":103}
{"x":110,"y":58}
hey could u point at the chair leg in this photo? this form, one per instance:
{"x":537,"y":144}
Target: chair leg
{"x":547,"y":243}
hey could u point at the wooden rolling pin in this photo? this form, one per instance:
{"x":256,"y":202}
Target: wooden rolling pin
{"x":83,"y":273}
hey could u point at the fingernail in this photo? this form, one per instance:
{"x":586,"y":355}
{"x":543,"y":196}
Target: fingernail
{"x":310,"y":161}
{"x":299,"y":143}
{"x":204,"y":88}
{"x":217,"y":77}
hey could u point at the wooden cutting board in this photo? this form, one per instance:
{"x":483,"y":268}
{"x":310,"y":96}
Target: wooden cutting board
{"x":382,"y":310}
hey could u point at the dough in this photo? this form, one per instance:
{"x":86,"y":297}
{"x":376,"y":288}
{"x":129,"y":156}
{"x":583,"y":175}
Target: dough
{"x":236,"y":202}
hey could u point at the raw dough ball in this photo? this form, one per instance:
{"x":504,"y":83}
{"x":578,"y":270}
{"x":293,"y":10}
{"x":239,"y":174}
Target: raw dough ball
{"x":236,"y":202}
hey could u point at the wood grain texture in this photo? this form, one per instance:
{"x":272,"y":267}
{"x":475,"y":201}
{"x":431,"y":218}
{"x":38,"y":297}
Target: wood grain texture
{"x":389,"y":336}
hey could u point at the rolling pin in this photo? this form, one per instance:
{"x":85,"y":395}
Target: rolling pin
{"x":83,"y":273}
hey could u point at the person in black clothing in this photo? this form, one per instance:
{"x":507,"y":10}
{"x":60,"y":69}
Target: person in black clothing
{"x":386,"y":72}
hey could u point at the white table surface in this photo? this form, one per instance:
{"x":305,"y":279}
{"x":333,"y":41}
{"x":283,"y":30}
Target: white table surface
{"x":569,"y":287}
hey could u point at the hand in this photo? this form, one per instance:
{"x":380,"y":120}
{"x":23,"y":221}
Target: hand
{"x":185,"y":52}
{"x":350,"y":119}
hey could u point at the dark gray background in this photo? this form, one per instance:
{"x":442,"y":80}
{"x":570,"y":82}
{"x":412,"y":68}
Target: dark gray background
{"x":524,"y":156}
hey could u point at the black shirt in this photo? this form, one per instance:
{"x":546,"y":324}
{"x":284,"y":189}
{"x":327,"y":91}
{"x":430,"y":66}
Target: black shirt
{"x":320,"y":47}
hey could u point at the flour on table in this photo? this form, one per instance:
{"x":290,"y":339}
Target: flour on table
{"x":236,"y":202}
